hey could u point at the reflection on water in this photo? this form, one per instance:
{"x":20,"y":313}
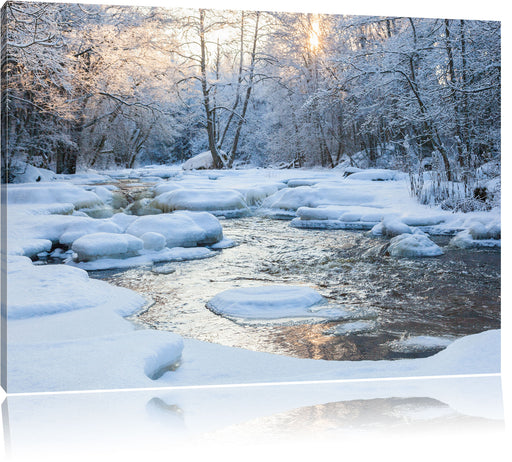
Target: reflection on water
{"x":161,"y":421}
{"x":449,"y":296}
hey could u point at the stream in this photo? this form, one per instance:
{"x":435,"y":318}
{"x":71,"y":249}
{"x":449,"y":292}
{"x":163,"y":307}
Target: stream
{"x":388,"y":299}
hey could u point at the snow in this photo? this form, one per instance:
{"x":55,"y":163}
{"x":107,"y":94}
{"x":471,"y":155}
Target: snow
{"x":54,"y":289}
{"x":78,"y":229}
{"x":413,"y":245}
{"x":181,"y":228}
{"x":216,"y":201}
{"x":320,"y":194}
{"x":377,"y":174}
{"x":153,"y":241}
{"x":106,"y":245}
{"x":271,"y":303}
{"x":391,"y":227}
{"x":147,"y":258}
{"x":25,"y":173}
{"x":201,"y":161}
{"x":113,"y":361}
{"x":52,"y":193}
{"x":67,"y":331}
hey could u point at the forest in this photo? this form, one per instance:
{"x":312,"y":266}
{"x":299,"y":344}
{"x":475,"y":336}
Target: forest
{"x":92,"y":86}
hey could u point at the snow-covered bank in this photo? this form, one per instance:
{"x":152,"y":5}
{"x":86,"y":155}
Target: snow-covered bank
{"x":67,"y":315}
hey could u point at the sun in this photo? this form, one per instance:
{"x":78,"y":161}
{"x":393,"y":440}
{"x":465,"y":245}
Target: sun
{"x":314,"y":35}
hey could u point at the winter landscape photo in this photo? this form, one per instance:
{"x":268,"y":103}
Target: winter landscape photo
{"x":212,"y":197}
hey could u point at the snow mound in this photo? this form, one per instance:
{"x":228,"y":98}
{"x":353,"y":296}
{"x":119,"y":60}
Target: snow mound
{"x":165,"y":187}
{"x":147,"y":258}
{"x":322,"y":194}
{"x":125,"y":360}
{"x":271,"y":303}
{"x":106,"y":245}
{"x":413,"y":245}
{"x":202,"y":161}
{"x":217,"y":201}
{"x":52,"y":193}
{"x":79,"y":229}
{"x":22,"y":172}
{"x":49,"y":294}
{"x":181,"y":229}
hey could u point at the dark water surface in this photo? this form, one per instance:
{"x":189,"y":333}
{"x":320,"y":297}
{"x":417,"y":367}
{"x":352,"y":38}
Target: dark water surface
{"x":449,"y":296}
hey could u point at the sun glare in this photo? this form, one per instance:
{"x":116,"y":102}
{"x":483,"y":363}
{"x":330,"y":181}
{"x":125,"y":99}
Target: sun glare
{"x":314,"y":35}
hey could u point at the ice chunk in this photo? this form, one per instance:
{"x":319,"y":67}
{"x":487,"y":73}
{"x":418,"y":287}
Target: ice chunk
{"x":355,"y":327}
{"x":413,"y":245}
{"x":106,"y":245}
{"x":269,"y":302}
{"x":216,"y":201}
{"x":181,"y":229}
{"x":419,"y":343}
{"x":223,"y":244}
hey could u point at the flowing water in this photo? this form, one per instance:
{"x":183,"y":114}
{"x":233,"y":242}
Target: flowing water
{"x":449,"y":296}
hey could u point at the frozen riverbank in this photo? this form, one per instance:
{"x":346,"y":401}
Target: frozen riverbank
{"x":68,"y":332}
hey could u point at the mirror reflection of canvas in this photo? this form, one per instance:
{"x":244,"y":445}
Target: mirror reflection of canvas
{"x":206,"y":197}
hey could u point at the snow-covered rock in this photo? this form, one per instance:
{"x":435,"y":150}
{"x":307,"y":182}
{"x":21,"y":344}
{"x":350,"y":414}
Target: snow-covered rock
{"x":202,"y":161}
{"x":391,"y":227}
{"x":181,"y":229}
{"x":217,"y":201}
{"x":271,"y":303}
{"x":106,"y":245}
{"x":22,"y":172}
{"x":465,"y":240}
{"x":413,"y":245}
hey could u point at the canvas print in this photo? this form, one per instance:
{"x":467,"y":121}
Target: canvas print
{"x":208,"y":197}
